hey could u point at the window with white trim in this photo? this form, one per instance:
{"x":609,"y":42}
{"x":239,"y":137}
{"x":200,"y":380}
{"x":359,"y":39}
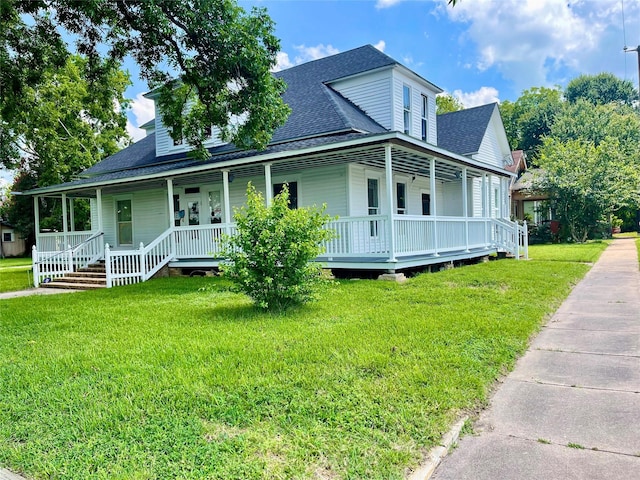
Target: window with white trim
{"x":373,"y":204}
{"x":124,"y":222}
{"x":424,"y":117}
{"x":401,"y":198}
{"x":293,"y":192}
{"x":406,"y":106}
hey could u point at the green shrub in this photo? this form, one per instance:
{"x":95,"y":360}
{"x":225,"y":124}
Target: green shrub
{"x":270,"y":256}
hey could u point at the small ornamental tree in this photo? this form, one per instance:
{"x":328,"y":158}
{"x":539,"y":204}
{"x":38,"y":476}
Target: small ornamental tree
{"x":270,"y":256}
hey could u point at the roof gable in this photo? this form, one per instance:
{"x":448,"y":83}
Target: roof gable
{"x":462,"y":132}
{"x":317,"y":109}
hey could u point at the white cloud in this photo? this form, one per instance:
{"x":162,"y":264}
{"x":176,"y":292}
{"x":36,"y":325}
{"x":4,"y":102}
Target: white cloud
{"x":482,"y":96}
{"x":306,"y":54}
{"x":283,"y":62}
{"x":387,"y":3}
{"x":539,"y":42}
{"x":143,"y":110}
{"x":381,"y":45}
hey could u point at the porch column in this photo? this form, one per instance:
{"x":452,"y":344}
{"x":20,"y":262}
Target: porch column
{"x":485,"y":209}
{"x":172,"y":212}
{"x":72,"y":219}
{"x":225,"y":194}
{"x":172,"y":223}
{"x":36,"y":215}
{"x":465,"y":206}
{"x":99,"y":207}
{"x":483,"y":190}
{"x":433,"y":206}
{"x":65,"y":223}
{"x":268,"y":194}
{"x":501,"y":202}
{"x":389,"y":179}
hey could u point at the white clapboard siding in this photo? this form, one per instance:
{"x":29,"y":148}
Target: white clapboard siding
{"x":164,"y":142}
{"x":417,"y":90}
{"x":494,"y":147}
{"x":149,"y":211}
{"x":476,"y":196}
{"x":452,"y":199}
{"x":372,"y":93}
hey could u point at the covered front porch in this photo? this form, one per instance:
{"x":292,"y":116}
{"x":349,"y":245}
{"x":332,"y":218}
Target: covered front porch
{"x":465,"y":214}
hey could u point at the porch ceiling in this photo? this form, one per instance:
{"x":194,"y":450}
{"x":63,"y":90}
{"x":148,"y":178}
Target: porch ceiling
{"x":404,"y":161}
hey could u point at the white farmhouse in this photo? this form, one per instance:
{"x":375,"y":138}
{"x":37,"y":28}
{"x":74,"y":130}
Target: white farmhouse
{"x":409,"y":188}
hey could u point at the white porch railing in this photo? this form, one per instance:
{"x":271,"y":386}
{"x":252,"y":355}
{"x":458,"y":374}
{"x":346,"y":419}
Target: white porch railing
{"x":124,"y":267}
{"x":358,"y":236}
{"x":60,"y":241}
{"x":414,"y":235}
{"x":56,"y":263}
{"x":201,"y":241}
{"x":511,"y":236}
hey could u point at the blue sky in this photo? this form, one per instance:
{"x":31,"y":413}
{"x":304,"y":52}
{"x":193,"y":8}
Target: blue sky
{"x":480,"y":51}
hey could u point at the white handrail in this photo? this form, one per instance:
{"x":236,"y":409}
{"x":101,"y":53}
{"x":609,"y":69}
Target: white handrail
{"x":59,"y":263}
{"x":124,"y":267}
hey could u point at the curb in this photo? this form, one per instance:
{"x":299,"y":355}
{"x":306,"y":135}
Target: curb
{"x":436,"y":454}
{"x":8,"y":475}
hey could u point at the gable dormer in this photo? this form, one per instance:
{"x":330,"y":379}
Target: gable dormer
{"x":395,"y":97}
{"x":165,"y":144}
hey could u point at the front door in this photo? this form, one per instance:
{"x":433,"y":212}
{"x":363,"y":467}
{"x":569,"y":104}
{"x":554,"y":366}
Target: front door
{"x":193,"y":207}
{"x":124,"y":220}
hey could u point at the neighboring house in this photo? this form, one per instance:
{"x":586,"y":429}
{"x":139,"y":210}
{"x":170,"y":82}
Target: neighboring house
{"x":409,"y":189}
{"x":11,"y":243}
{"x":527,"y":202}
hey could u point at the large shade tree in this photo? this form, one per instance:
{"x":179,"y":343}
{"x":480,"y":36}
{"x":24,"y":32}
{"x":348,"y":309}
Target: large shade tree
{"x":446,"y":103}
{"x":209,"y":54}
{"x":591,"y":160}
{"x":600,"y":89}
{"x":529,"y":119}
{"x":66,"y":123}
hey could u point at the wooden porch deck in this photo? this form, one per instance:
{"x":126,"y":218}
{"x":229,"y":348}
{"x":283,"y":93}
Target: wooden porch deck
{"x":379,"y":264}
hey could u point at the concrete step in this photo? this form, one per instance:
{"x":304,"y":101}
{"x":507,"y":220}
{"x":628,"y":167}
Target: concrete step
{"x":73,"y":279}
{"x":60,"y":283}
{"x":87,"y":275}
{"x":93,"y":269}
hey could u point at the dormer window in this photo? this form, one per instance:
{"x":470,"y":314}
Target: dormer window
{"x":406,"y":103}
{"x":178,"y":141}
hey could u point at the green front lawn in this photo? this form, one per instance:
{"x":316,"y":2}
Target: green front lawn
{"x":14,"y":274}
{"x":568,"y":252}
{"x":180,"y":378}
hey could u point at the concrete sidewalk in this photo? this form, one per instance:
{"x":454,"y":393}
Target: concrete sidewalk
{"x":571,"y":407}
{"x":35,"y":291}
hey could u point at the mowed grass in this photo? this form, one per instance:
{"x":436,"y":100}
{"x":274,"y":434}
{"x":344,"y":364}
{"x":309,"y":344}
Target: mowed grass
{"x":14,"y":274}
{"x":181,"y":378}
{"x":568,"y":252}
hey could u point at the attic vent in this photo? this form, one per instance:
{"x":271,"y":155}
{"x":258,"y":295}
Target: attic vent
{"x":187,"y":191}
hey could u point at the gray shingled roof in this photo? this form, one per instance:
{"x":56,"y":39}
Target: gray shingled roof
{"x":316,"y":109}
{"x":177,"y":164}
{"x":320,"y":116}
{"x":462,"y":132}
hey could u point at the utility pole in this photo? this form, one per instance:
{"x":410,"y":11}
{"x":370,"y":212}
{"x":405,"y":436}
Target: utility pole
{"x":637,"y":50}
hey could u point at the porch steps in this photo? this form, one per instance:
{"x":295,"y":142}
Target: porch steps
{"x":88,"y":278}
